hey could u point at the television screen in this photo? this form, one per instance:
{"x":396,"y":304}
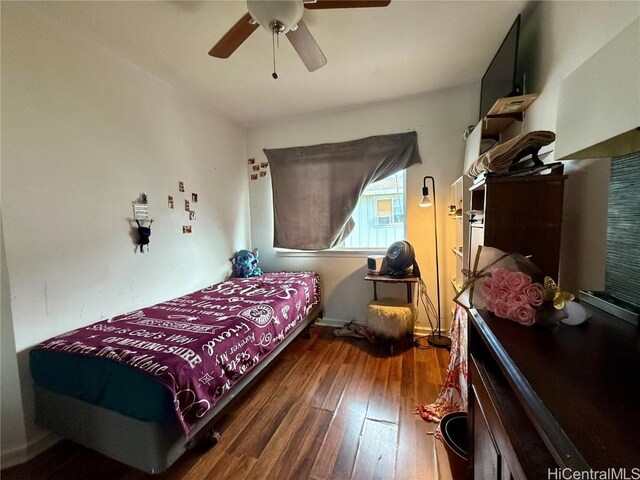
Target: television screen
{"x":499,"y":81}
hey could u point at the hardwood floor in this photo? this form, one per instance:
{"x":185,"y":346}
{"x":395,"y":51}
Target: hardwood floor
{"x":330,"y":408}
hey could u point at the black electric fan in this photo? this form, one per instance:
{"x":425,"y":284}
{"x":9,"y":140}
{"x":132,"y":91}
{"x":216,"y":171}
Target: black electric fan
{"x":400,"y":261}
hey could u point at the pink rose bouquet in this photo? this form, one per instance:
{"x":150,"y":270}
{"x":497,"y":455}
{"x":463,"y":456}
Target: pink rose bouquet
{"x":513,"y":288}
{"x":512,"y":295}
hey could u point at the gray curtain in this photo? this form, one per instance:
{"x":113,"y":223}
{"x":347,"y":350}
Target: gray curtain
{"x":316,"y":188}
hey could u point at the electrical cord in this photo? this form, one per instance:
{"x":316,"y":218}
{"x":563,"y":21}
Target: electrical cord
{"x":429,"y":309}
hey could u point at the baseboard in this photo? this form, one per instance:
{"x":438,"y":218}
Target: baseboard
{"x":24,"y":453}
{"x":418,"y":330}
{"x":12,"y":457}
{"x":336,"y":322}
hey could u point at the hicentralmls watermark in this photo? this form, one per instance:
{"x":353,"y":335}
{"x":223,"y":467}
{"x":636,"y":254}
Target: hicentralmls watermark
{"x":607,"y":474}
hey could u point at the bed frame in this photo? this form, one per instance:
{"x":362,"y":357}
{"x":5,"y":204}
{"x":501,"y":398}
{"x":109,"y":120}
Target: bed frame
{"x":149,"y":446}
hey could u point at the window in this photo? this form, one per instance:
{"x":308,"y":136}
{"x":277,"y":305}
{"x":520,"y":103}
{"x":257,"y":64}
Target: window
{"x":379,"y":215}
{"x":398,"y":210}
{"x":389,"y":211}
{"x":384,"y":211}
{"x":316,"y":215}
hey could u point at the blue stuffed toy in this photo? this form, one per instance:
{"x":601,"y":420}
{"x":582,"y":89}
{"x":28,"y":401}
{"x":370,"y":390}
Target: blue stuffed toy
{"x":245,"y":264}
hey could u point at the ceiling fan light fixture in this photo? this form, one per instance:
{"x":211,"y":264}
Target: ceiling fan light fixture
{"x":285,"y":12}
{"x":276,"y":27}
{"x":284,"y":17}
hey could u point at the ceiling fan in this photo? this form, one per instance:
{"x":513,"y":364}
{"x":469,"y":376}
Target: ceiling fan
{"x":284,"y":17}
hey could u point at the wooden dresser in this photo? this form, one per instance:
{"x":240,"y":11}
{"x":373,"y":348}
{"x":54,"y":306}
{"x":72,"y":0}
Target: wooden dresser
{"x":552,"y":397}
{"x":519,"y":215}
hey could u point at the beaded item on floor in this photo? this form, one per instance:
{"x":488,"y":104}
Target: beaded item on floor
{"x":453,"y":395}
{"x":352,"y":329}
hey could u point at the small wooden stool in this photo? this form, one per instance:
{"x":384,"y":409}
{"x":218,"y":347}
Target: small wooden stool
{"x":391,"y":319}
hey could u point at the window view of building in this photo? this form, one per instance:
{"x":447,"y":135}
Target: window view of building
{"x":380,"y":214}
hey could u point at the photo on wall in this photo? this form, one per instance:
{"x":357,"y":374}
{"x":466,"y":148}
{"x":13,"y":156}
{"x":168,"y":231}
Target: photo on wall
{"x":186,"y":205}
{"x":181,"y":186}
{"x":170,"y":201}
{"x":194,"y":198}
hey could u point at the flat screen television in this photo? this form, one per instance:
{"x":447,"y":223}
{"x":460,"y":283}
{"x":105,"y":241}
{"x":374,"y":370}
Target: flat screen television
{"x":501,"y":78}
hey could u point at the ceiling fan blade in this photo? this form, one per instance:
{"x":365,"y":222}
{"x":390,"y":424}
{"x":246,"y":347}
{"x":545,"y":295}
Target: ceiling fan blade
{"x":322,"y":4}
{"x":234,"y":37}
{"x":306,"y":46}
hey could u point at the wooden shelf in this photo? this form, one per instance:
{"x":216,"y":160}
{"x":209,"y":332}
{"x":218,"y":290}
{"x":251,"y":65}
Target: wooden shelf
{"x":504,"y":112}
{"x":388,"y":279}
{"x":481,"y":185}
{"x":492,"y":127}
{"x":456,"y":206}
{"x":521,"y":214}
{"x":408,"y":281}
{"x":511,"y":105}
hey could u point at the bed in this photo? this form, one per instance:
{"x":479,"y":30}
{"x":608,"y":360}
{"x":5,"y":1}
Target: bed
{"x":145,"y":386}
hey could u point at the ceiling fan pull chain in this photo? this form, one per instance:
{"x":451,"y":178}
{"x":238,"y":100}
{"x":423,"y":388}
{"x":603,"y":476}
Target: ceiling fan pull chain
{"x":273,"y":45}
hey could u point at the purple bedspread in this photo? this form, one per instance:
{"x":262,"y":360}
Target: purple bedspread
{"x":201,"y":344}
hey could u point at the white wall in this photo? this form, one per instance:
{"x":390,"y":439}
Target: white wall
{"x":561,"y":36}
{"x":12,"y":430}
{"x":439,"y":118}
{"x":83,"y":133}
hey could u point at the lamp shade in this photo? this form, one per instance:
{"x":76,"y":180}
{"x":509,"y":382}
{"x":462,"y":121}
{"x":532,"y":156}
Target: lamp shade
{"x":426,"y":198}
{"x":286,"y":12}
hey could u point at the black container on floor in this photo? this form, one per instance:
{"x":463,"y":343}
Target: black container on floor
{"x":454,"y":434}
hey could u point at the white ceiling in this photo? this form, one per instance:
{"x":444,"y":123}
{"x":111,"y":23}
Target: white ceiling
{"x":374,"y":54}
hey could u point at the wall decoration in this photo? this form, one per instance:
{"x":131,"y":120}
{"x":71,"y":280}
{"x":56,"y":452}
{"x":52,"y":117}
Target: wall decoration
{"x":186,"y":229}
{"x":141,"y":207}
{"x":186,"y":205}
{"x":255,"y":168}
{"x":143,"y":235}
{"x":170,"y":201}
{"x":141,"y":215}
{"x":194,"y":198}
{"x":251,"y":161}
{"x":192,"y":215}
{"x":181,"y":186}
{"x":254,"y":176}
{"x":264,"y":165}
{"x":263,"y":174}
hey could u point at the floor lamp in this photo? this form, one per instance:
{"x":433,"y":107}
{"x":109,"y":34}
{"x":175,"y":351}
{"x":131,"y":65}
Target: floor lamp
{"x":439,"y":340}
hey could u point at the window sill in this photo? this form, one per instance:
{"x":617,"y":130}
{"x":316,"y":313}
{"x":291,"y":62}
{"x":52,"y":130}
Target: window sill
{"x":344,"y":253}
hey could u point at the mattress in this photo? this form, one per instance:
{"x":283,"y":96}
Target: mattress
{"x":219,"y":334}
{"x":104,"y":383}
